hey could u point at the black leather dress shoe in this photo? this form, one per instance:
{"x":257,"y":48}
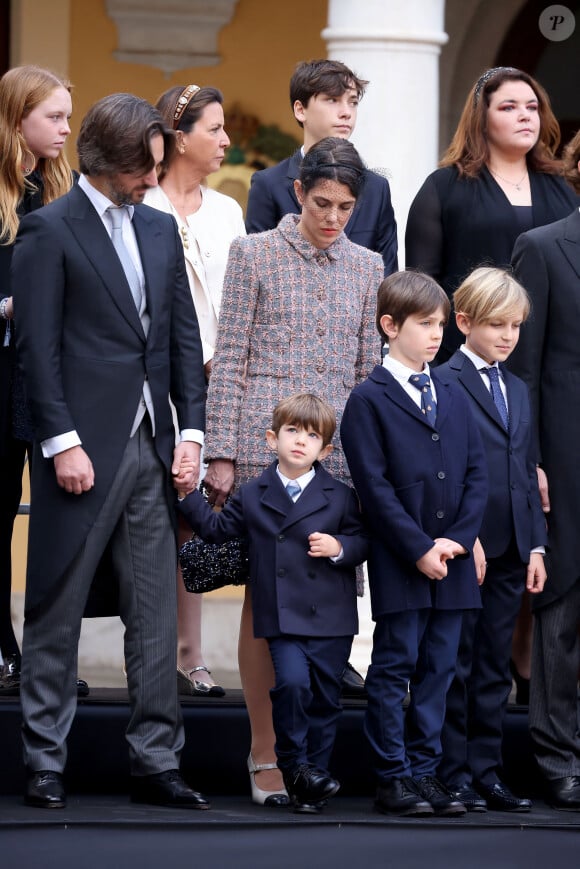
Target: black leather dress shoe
{"x":472,"y":801}
{"x":83,"y":689}
{"x":499,"y":798}
{"x":45,"y":790}
{"x":564,"y":793}
{"x":442,"y":800}
{"x":352,"y":683}
{"x":400,"y":796}
{"x":166,"y":789}
{"x":10,"y":676}
{"x":308,"y":787}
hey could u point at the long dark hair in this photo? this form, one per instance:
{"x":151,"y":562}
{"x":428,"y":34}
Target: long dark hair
{"x":469,"y":150}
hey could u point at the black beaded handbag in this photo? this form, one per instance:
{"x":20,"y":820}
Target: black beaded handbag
{"x":209,"y":566}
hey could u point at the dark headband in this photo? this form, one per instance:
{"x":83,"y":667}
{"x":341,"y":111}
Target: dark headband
{"x":491,"y":73}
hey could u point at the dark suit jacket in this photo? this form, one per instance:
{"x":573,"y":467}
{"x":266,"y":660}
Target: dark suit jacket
{"x":292,"y":593}
{"x":415,"y":482}
{"x":513,"y":504}
{"x":85,"y":357}
{"x":372,"y":223}
{"x":547,"y":358}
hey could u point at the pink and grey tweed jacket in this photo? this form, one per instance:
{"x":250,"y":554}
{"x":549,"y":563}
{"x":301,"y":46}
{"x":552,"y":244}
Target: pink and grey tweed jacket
{"x":293,"y":319}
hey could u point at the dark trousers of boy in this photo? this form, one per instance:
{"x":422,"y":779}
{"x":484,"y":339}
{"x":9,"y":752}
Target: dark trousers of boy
{"x":306,"y":697}
{"x":478,"y":696}
{"x":414,"y":650}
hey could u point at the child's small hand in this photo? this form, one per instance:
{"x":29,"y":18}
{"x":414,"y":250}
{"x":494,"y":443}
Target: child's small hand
{"x":536,"y":573}
{"x":480,"y":562}
{"x":432,"y":564}
{"x":450,"y":546}
{"x":323,"y":545}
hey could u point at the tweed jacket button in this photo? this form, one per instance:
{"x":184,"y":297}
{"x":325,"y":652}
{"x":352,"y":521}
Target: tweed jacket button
{"x":321,"y":367}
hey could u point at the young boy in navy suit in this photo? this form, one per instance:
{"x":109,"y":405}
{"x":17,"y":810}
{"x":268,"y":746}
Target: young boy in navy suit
{"x":490,"y":308}
{"x":418,"y":466}
{"x":306,"y":538}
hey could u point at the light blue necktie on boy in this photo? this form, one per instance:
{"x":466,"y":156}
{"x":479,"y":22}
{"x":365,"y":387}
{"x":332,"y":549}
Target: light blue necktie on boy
{"x":428,"y":403}
{"x":497,"y":395}
{"x":293,"y":489}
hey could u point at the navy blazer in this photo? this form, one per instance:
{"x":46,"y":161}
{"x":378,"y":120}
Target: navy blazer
{"x":292,"y":593}
{"x":513,"y":505}
{"x":372,"y":223}
{"x":415,"y":482}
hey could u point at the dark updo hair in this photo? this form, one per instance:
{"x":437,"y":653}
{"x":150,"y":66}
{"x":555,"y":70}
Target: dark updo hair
{"x":333,"y":159}
{"x":203,"y":97}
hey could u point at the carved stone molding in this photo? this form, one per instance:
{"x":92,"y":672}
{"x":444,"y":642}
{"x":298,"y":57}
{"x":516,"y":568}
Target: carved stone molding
{"x":169,"y":34}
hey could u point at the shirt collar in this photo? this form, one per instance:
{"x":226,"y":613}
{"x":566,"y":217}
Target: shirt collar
{"x":402,"y":372}
{"x":479,"y":363}
{"x":98,"y":200}
{"x":302,"y":480}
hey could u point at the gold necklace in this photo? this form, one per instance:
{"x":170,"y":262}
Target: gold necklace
{"x":516,"y":184}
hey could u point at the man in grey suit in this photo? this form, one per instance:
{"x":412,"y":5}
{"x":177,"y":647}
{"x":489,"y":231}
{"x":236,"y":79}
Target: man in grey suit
{"x":547,"y":262}
{"x":106,"y":333}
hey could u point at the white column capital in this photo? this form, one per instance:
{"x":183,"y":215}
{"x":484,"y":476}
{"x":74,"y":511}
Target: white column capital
{"x":335,"y":36}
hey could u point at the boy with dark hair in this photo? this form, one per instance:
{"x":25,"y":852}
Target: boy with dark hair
{"x":324,"y":95}
{"x":418,"y":466}
{"x":306,"y":538}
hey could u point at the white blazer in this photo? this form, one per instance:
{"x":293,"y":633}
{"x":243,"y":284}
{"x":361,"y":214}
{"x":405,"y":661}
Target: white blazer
{"x":206,"y":235}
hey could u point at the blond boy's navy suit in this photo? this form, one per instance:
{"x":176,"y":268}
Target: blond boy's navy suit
{"x":416,"y":482}
{"x":513,"y":524}
{"x":297,"y":600}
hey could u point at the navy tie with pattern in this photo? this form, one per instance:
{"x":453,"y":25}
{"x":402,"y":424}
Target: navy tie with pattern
{"x":428,"y":404}
{"x":497,"y":395}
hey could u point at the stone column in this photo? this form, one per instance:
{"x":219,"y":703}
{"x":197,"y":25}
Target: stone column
{"x":396,"y":45}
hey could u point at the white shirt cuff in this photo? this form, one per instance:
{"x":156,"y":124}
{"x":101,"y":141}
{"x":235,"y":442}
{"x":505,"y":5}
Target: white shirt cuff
{"x":52,"y":446}
{"x":191,"y":434}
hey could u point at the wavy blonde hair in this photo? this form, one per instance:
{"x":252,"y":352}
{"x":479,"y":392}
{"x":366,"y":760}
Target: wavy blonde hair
{"x":21,"y":90}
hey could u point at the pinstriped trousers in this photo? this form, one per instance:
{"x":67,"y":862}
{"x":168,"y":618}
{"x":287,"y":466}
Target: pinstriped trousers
{"x":135,"y":520}
{"x":554,"y":707}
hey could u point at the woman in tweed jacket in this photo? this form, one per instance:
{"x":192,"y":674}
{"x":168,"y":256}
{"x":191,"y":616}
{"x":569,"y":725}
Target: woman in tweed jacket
{"x":298,"y":312}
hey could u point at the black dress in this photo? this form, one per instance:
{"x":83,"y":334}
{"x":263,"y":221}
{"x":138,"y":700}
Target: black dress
{"x":15,"y":432}
{"x":456,"y":224}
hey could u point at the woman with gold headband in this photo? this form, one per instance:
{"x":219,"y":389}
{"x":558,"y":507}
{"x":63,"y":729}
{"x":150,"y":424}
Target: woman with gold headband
{"x":498,"y":178}
{"x":208,"y":222}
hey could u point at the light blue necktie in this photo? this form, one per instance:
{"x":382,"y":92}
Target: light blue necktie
{"x":428,"y":404}
{"x":116,"y":214}
{"x":497,"y":395}
{"x":293,"y":489}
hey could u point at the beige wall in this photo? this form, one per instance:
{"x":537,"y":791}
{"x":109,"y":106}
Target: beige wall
{"x":258,"y":53}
